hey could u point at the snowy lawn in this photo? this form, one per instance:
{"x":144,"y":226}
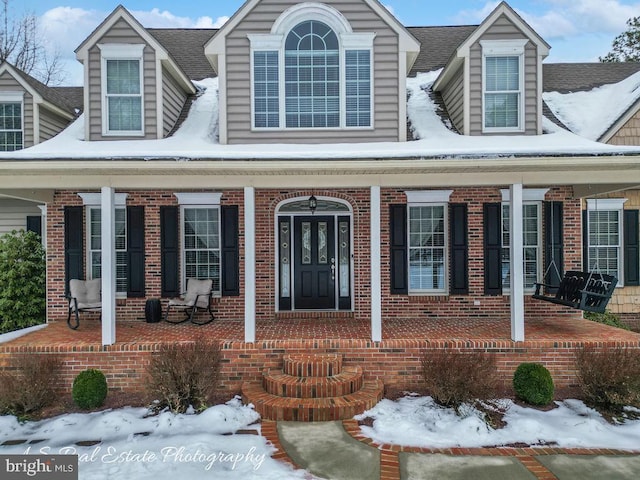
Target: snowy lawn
{"x":166,"y":446}
{"x":420,"y":422}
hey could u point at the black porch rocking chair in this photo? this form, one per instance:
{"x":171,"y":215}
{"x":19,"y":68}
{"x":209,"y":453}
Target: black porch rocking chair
{"x":197,"y":297}
{"x":83,"y":296}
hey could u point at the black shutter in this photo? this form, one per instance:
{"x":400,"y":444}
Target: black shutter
{"x":399,"y":250}
{"x":73,"y":240}
{"x":553,"y":240}
{"x":631,"y":248}
{"x":459,"y":284}
{"x":585,"y":241}
{"x":230,"y":252}
{"x":34,"y":224}
{"x":169,"y":251}
{"x":135,"y":251}
{"x":492,"y":249}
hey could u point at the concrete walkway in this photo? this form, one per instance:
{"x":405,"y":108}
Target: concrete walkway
{"x":338,"y":451}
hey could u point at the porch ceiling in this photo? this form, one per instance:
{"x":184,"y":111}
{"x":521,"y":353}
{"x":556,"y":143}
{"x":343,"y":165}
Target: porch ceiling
{"x":606,"y":171}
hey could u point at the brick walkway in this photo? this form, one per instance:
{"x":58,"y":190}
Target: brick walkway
{"x":390,"y":462}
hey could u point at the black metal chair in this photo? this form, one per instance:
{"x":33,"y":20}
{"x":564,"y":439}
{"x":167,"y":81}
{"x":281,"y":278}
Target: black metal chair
{"x":84,"y":296}
{"x":197,"y":297}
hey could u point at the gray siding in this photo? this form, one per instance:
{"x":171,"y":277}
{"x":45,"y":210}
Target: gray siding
{"x":503,"y":29}
{"x":121,"y":32}
{"x":453,"y":96}
{"x":173,"y":100}
{"x":385,"y":57}
{"x":8,"y":83}
{"x":13,"y":214}
{"x":51,"y":124}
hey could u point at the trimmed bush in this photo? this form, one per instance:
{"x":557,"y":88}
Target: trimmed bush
{"x":184,"y":374}
{"x":27,"y":385}
{"x":533,"y":384}
{"x":453,"y":378}
{"x":607,"y":318}
{"x":89,"y":389}
{"x":22,"y":281}
{"x":609,"y":377}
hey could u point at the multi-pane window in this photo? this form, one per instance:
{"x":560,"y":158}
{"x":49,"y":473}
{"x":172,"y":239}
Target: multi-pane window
{"x":532,"y":240}
{"x":95,"y":246}
{"x":312,"y":76}
{"x":502,"y":92}
{"x":427,"y":248}
{"x":10,"y":126}
{"x":201,"y":244}
{"x":265,"y":89}
{"x":605,"y":241}
{"x":123,"y":96}
{"x":358,"y":83}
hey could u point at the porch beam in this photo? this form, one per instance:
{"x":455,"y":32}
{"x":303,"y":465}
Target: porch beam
{"x":249,"y":265}
{"x":516,"y":263}
{"x":108,"y":254}
{"x":376,"y":286}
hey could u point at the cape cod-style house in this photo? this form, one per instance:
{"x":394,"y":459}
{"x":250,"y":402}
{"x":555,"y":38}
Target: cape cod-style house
{"x":320,"y":160}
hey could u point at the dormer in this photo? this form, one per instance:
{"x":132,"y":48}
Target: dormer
{"x":133,"y":87}
{"x":492,"y":84}
{"x":317,"y":74}
{"x":30,"y":111}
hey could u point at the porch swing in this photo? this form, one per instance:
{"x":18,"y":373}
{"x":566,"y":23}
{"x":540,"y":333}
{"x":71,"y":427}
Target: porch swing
{"x":587,"y":291}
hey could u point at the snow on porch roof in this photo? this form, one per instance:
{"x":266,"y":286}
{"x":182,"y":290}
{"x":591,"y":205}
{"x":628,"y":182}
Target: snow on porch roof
{"x":196,"y":139}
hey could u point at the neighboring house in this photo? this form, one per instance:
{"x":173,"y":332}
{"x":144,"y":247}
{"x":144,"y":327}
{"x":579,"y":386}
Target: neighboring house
{"x":274,"y":156}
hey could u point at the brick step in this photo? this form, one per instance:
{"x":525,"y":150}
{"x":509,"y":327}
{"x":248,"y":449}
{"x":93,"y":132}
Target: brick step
{"x":312,"y":365}
{"x":349,"y":381}
{"x":272,"y":407}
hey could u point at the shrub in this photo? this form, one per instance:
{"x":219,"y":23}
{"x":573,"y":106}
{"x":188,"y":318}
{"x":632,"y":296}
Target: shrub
{"x":184,"y":374}
{"x":608,"y":318}
{"x":454,"y":378}
{"x":27,"y":385}
{"x":532,"y":383}
{"x":609,"y":378}
{"x":89,"y":389}
{"x":22,"y":281}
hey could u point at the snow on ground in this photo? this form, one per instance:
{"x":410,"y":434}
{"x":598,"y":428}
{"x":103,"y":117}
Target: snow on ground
{"x":590,"y":114}
{"x":420,"y":422}
{"x":197,"y":139}
{"x":161,"y":447}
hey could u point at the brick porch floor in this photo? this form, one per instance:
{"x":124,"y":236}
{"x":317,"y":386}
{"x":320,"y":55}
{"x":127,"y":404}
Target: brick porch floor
{"x":143,"y":336}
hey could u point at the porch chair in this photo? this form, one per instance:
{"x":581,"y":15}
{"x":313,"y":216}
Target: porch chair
{"x":84,"y":296}
{"x":197,"y":297}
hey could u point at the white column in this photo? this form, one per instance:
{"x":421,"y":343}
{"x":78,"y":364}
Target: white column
{"x":376,"y":286}
{"x":516,"y":263}
{"x":249,"y":265}
{"x":108,"y":253}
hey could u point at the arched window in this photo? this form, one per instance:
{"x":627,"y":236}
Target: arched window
{"x":312,"y":71}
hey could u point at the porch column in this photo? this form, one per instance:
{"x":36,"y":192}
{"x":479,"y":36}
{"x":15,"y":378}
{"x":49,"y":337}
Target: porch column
{"x":516,"y":262}
{"x":108,"y":253}
{"x":376,"y":286}
{"x":249,"y":265}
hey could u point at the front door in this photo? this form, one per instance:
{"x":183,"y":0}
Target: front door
{"x":314,"y":263}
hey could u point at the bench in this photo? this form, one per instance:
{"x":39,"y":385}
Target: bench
{"x":585,"y":291}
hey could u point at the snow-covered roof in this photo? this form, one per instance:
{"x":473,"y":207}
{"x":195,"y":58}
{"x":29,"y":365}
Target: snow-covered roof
{"x":197,"y":139}
{"x":591,"y":113}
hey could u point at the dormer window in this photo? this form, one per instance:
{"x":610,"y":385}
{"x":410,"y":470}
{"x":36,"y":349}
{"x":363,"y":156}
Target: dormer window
{"x":11,"y":123}
{"x":122,"y":89}
{"x":503,"y":85}
{"x":312,"y":71}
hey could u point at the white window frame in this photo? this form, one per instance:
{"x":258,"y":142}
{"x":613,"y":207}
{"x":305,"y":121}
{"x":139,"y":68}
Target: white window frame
{"x":608,"y":205}
{"x":206,"y":201}
{"x":15,"y":97}
{"x":92,"y":201}
{"x":119,"y":51}
{"x":429,"y":198}
{"x":504,"y":48}
{"x":347,"y":40}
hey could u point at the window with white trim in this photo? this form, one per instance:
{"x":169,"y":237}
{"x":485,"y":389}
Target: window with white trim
{"x":605,"y":237}
{"x":11,"y":121}
{"x":94,"y":233}
{"x":312,"y":71}
{"x":532,"y":244}
{"x":503,"y":85}
{"x":122,"y":89}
